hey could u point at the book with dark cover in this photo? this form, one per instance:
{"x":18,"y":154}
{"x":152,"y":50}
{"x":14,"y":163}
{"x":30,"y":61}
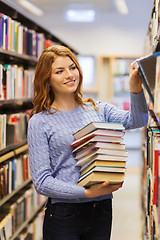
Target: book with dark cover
{"x":147,"y":71}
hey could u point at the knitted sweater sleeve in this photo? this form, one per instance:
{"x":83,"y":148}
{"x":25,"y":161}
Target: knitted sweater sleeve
{"x":136,"y":117}
{"x":41,"y":172}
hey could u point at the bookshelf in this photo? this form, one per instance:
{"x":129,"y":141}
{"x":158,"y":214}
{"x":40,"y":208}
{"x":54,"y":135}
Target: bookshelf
{"x":21,"y":43}
{"x":113,"y":75}
{"x":150,"y":181}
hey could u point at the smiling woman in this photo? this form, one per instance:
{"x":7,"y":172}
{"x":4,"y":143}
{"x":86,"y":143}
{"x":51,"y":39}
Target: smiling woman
{"x":72,"y":211}
{"x":58,"y":81}
{"x":64,"y":80}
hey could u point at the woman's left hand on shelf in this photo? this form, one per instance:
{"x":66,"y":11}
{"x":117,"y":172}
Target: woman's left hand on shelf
{"x":135,"y":83}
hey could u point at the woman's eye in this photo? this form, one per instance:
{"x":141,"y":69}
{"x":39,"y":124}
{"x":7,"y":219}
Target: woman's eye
{"x":74,"y":67}
{"x":59,"y":72}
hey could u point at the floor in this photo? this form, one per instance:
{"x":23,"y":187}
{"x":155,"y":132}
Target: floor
{"x":127,"y":208}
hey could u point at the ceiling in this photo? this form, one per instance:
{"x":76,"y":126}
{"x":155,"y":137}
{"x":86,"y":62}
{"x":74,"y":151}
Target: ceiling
{"x":111,"y":33}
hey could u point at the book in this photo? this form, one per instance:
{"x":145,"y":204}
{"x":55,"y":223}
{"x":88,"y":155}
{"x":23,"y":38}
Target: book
{"x":98,"y":155}
{"x":95,"y":125}
{"x":157,"y":88}
{"x":97,"y":132}
{"x":93,"y":163}
{"x":106,"y":148}
{"x":102,"y":140}
{"x":96,"y":177}
{"x":147,"y":72}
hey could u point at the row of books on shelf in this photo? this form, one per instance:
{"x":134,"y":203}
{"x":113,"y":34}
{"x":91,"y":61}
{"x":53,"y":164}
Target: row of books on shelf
{"x":18,"y":209}
{"x":153,"y":35}
{"x":121,"y":66}
{"x":151,"y":184}
{"x":18,"y":38}
{"x":100,"y":153}
{"x":13,"y":128}
{"x":13,"y":174}
{"x":15,"y":82}
{"x":33,"y":230}
{"x":121,"y":84}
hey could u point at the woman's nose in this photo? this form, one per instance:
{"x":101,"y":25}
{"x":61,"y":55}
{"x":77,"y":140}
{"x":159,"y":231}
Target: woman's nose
{"x":68,"y":73}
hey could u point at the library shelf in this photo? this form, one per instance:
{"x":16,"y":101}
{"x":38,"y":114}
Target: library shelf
{"x":26,"y":222}
{"x":9,"y":196}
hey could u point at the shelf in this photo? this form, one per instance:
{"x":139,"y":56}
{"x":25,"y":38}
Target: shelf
{"x":15,"y":105}
{"x":9,"y":8}
{"x":13,"y":150}
{"x":9,"y":196}
{"x":14,"y":57}
{"x":20,"y":229}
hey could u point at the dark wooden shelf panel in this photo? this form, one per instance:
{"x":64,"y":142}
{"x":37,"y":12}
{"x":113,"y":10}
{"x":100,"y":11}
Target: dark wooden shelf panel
{"x":15,"y":105}
{"x":11,"y":150}
{"x":16,"y":58}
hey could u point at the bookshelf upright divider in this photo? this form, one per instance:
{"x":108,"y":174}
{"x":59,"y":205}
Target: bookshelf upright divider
{"x":150,"y":180}
{"x":21,"y":43}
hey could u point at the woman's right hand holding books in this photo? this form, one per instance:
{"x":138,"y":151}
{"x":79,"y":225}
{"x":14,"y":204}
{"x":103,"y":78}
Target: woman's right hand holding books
{"x":100,"y":189}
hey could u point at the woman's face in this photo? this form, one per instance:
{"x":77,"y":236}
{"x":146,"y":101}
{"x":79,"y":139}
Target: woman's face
{"x":64,"y":77}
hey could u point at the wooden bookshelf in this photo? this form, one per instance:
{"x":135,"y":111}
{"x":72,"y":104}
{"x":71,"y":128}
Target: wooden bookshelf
{"x":13,"y":150}
{"x":11,"y":55}
{"x":113,"y":75}
{"x":26,"y":222}
{"x":150,"y":180}
{"x":9,"y":196}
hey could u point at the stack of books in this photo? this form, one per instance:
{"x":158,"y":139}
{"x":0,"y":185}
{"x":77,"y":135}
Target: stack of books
{"x":100,"y":153}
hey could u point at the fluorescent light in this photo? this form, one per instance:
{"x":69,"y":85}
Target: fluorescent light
{"x":30,"y":7}
{"x":122,"y":6}
{"x":80,"y":15}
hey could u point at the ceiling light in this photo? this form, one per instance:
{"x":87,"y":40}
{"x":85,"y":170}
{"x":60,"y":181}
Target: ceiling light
{"x":30,"y":7}
{"x":80,"y":15}
{"x":122,"y":6}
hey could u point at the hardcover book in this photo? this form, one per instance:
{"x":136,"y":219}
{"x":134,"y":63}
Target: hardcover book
{"x":98,"y":125}
{"x":147,"y":71}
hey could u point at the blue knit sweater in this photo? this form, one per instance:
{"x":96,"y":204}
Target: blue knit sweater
{"x":52,"y":163}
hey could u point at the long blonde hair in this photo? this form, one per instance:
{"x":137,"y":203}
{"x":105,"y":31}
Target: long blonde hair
{"x":43,"y":93}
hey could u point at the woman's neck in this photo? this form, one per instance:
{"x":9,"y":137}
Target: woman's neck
{"x":64,"y":105}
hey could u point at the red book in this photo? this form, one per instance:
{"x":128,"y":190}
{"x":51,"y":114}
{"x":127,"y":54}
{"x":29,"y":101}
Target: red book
{"x":25,"y":166}
{"x":155,"y":186}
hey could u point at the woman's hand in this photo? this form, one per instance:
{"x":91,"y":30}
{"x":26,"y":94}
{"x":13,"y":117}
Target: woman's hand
{"x":135,"y":83}
{"x":100,"y":189}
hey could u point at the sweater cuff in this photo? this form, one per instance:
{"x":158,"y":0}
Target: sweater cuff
{"x":81,"y":192}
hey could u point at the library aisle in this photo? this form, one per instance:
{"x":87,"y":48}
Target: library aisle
{"x":127,"y":207}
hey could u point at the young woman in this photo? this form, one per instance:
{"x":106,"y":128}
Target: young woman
{"x":72,"y":212}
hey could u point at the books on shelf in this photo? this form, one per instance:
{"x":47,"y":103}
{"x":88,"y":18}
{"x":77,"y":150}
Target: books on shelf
{"x":147,"y":70}
{"x":157,"y":88}
{"x":18,"y":38}
{"x":13,"y":174}
{"x":151,"y":182}
{"x":15,"y":82}
{"x":18,"y":209}
{"x":101,"y":156}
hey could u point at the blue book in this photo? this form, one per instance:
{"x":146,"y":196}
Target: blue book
{"x":1,"y":29}
{"x":13,"y":174}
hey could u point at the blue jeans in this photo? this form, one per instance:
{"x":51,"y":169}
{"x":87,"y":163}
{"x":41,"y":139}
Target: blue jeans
{"x":78,"y":221}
